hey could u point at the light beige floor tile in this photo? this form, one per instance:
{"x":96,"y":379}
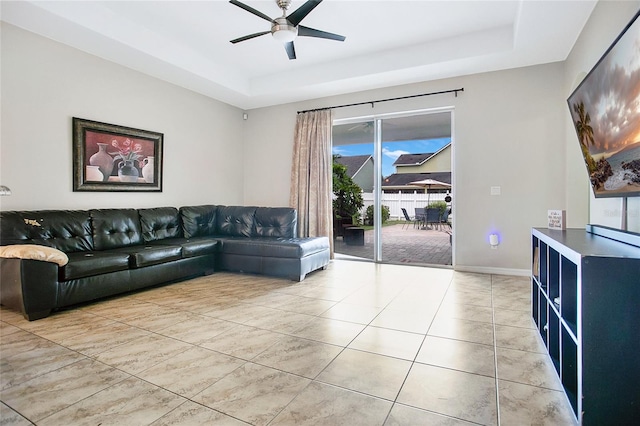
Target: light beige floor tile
{"x":112,"y":336}
{"x":330,"y":331}
{"x":513,"y":318}
{"x":529,"y":405}
{"x":466,"y":312}
{"x":130,"y":402}
{"x":6,"y":329}
{"x":308,"y":306}
{"x":154,"y":321}
{"x":140,"y":354}
{"x":410,"y":321}
{"x":41,"y":358}
{"x":9,"y":417}
{"x":373,"y":374}
{"x":54,"y":391}
{"x":239,"y":313}
{"x":458,"y":355}
{"x":10,"y":316}
{"x":394,"y":343}
{"x":352,"y":313}
{"x":529,"y":368}
{"x":469,"y":331}
{"x":321,"y":404}
{"x":457,"y":394}
{"x":191,"y":371}
{"x":468,"y":297}
{"x":334,"y":294}
{"x":197,"y":329}
{"x":519,"y":338}
{"x":194,"y":414}
{"x":402,"y":415}
{"x":243,"y":341}
{"x":280,"y":321}
{"x":253,"y":393}
{"x":299,"y":356}
{"x":509,"y":301}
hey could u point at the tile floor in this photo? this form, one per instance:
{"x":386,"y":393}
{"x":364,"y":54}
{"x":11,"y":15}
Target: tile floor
{"x":357,"y":344}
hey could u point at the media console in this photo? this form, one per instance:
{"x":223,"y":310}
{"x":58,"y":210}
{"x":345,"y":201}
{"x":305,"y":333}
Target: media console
{"x":586,"y":305}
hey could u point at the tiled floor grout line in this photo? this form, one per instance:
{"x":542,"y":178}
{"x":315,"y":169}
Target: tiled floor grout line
{"x":495,"y":355}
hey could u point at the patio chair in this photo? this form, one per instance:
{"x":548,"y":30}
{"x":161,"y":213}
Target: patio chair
{"x":420,"y":218}
{"x":444,"y":220}
{"x":407,"y":218}
{"x":432,"y":217}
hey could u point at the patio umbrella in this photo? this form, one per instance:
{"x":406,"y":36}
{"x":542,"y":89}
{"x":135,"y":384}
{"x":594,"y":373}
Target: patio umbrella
{"x":428,"y":183}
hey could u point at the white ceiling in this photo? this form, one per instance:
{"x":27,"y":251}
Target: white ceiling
{"x":387,"y":42}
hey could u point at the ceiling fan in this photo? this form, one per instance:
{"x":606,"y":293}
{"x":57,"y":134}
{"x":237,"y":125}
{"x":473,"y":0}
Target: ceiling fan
{"x":286,"y":28}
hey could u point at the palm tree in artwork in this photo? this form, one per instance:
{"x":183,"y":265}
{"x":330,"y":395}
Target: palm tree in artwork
{"x":583,"y":125}
{"x":585,"y":134}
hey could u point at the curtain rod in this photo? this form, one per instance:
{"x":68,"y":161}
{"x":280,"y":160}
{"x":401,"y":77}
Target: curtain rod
{"x":386,"y":100}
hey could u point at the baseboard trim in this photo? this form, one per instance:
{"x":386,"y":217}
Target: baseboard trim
{"x":491,"y":270}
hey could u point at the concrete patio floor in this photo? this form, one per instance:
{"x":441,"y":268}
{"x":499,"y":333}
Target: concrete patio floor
{"x":408,"y":245}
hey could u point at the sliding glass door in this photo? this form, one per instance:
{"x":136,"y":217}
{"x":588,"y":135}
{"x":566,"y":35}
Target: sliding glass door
{"x":402,"y":165}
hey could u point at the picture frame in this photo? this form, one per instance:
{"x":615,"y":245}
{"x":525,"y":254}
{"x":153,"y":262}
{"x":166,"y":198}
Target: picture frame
{"x":112,"y":158}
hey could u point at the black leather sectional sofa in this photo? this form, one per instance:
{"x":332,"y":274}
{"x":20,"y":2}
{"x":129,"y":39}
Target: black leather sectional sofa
{"x":113,"y":251}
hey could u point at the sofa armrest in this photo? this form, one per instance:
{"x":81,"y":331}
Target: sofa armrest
{"x":29,"y":286}
{"x":34,"y":252}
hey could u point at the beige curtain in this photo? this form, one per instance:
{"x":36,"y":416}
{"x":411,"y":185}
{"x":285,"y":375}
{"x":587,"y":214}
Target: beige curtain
{"x":312,"y":174}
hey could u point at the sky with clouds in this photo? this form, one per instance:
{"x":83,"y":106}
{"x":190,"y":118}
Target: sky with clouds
{"x":611,"y":95}
{"x":392,"y":150}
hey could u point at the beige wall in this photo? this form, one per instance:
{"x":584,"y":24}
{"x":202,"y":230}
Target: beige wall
{"x":441,"y":162}
{"x":511,"y":129}
{"x":508,"y":132}
{"x":44,"y":84}
{"x":605,"y":24}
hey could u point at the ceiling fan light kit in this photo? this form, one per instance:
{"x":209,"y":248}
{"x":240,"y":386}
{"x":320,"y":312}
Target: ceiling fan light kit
{"x":286,"y":29}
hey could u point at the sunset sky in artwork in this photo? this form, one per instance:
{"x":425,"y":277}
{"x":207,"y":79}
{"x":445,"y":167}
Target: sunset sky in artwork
{"x":611,"y":95}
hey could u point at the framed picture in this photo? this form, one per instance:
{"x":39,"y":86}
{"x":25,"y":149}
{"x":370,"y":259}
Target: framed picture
{"x":107,"y":157}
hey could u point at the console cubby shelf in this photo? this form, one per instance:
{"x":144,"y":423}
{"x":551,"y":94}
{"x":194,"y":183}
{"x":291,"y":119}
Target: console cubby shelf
{"x":585,"y":288}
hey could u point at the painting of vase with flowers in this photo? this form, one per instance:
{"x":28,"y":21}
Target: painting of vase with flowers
{"x":108,"y":157}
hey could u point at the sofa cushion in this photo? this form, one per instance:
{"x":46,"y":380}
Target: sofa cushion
{"x":150,"y":254}
{"x":276,"y":222}
{"x":65,"y":230}
{"x":296,"y":248}
{"x":191,"y":247}
{"x":198,"y":221}
{"x":113,"y":228}
{"x":86,"y":264}
{"x":235,"y":221}
{"x":160,"y":223}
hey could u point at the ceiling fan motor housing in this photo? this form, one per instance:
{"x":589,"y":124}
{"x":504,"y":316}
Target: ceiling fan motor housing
{"x":283,"y":31}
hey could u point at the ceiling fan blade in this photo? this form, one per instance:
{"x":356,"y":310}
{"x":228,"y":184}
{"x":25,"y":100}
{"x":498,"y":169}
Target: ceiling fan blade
{"x":298,"y":15}
{"x":249,"y":37}
{"x":311,"y":32}
{"x":291,"y":51}
{"x":251,"y":10}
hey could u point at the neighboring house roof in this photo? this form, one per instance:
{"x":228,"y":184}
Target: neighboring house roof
{"x":417,"y":159}
{"x":404,"y":179}
{"x":412,"y":159}
{"x":353,"y":163}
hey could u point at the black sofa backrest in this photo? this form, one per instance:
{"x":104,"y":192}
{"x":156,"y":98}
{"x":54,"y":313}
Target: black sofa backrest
{"x":160,"y":223}
{"x":235,"y":221}
{"x":198,"y":221}
{"x":276,"y":222}
{"x":66,"y":230}
{"x":113,"y":228}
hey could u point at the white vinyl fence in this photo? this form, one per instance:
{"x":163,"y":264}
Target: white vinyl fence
{"x":396,"y":202}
